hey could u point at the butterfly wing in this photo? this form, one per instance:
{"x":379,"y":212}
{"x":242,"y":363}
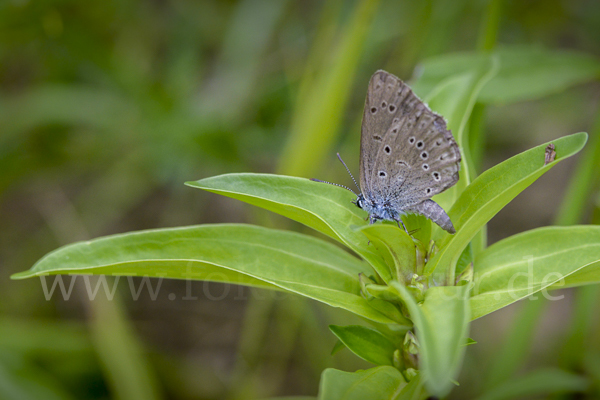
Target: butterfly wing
{"x":407,"y":153}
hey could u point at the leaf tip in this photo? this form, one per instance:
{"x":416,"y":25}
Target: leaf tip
{"x":21,"y":275}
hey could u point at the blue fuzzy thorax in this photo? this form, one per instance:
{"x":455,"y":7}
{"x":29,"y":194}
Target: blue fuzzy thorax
{"x":377,"y":211}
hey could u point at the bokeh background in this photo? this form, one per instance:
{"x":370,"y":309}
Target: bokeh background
{"x":107,"y":107}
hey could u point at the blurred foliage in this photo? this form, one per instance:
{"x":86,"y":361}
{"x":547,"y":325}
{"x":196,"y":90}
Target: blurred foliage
{"x":107,"y":107}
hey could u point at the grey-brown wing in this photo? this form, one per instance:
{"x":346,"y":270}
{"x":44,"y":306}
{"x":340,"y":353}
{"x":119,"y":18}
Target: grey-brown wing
{"x":407,"y":153}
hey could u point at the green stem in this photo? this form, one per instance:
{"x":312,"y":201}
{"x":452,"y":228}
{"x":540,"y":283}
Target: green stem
{"x":487,"y":42}
{"x":515,"y":349}
{"x":490,"y":25}
{"x":586,"y":176}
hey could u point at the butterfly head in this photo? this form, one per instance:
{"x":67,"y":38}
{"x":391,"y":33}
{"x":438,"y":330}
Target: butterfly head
{"x":361,"y":202}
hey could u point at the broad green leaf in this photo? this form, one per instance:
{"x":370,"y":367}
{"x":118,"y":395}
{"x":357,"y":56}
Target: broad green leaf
{"x":413,"y":390}
{"x":232,"y":253}
{"x":367,"y":343}
{"x":587,"y":275}
{"x":463,"y":265}
{"x":489,"y":193}
{"x":442,"y":323}
{"x":537,"y":383}
{"x":524,"y":264}
{"x":419,"y":227}
{"x":325,"y":208}
{"x":526,"y":72}
{"x":397,"y":248}
{"x":346,"y":300}
{"x":372,"y":384}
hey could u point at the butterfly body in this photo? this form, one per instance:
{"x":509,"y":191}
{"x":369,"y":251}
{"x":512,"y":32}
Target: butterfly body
{"x":383,"y":211}
{"x":407,"y":155}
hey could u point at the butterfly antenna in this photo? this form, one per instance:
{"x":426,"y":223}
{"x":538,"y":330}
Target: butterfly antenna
{"x":334,"y":184}
{"x":349,"y":173}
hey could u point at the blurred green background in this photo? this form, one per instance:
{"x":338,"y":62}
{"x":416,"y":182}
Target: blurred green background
{"x":107,"y":107}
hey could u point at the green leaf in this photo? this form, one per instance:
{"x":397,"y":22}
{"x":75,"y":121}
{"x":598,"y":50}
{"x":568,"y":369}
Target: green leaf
{"x":524,"y":264}
{"x":325,"y":208}
{"x":526,"y":72}
{"x":367,"y":343}
{"x":489,"y":193}
{"x":232,"y":253}
{"x":339,"y":345}
{"x":537,"y":383}
{"x":397,"y":248}
{"x":442,"y":324}
{"x":413,"y":391}
{"x":372,"y":384}
{"x":587,"y":275}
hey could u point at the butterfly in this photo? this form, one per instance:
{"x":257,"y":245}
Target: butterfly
{"x":407,"y":155}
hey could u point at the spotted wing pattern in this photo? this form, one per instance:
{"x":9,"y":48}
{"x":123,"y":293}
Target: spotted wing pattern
{"x":407,"y":153}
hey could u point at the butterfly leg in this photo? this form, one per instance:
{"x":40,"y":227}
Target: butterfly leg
{"x":399,"y":221}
